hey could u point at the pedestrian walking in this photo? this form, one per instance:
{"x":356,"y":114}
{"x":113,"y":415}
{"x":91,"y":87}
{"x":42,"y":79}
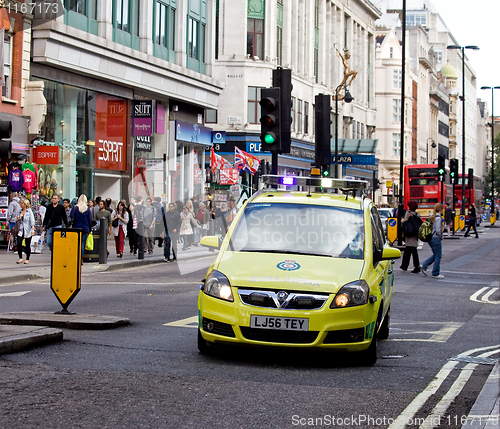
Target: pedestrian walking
{"x":26,"y":231}
{"x":158,"y":222}
{"x":186,"y":231}
{"x":12,"y":213}
{"x":203,"y":217}
{"x":131,"y":229}
{"x":149,"y":226}
{"x":82,"y":219}
{"x":472,"y":220}
{"x":435,"y":244}
{"x":119,"y":221}
{"x":448,"y":218}
{"x":411,"y":237}
{"x":172,"y":223}
{"x":55,"y":217}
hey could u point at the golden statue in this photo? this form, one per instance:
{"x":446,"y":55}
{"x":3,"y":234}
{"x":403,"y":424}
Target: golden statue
{"x":349,"y":74}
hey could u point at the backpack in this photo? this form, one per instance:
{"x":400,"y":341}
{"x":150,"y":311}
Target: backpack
{"x":425,"y":231}
{"x":411,"y":226}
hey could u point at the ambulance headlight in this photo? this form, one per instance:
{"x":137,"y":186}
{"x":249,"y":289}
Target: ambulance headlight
{"x":351,"y":294}
{"x":218,"y":286}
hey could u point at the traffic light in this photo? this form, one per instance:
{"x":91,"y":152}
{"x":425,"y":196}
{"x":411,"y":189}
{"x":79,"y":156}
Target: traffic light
{"x":470,"y":181}
{"x":5,"y":133}
{"x":270,"y":120}
{"x":282,"y":78}
{"x":453,"y":169}
{"x":323,"y":137}
{"x":441,"y":170}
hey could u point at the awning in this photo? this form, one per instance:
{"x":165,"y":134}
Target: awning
{"x":355,"y":145}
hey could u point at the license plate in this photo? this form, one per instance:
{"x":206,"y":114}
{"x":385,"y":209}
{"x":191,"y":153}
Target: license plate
{"x":279,"y":323}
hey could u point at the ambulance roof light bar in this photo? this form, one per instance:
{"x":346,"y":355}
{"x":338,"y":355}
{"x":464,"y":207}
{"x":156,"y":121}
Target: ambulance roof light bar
{"x":320,"y":182}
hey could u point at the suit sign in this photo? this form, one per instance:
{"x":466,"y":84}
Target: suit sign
{"x":142,"y":117}
{"x":46,"y":155}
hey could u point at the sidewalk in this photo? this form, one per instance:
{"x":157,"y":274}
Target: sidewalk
{"x":39,"y":266}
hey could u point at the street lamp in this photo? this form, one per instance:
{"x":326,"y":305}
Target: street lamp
{"x":492,"y":146}
{"x":463,"y":48}
{"x":347,"y":98}
{"x":433,"y":146}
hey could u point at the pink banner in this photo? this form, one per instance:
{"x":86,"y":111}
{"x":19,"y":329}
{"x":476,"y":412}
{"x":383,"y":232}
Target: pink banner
{"x":160,"y":119}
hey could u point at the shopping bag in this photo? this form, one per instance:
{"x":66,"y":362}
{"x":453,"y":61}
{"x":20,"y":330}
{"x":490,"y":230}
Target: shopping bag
{"x":89,"y":244}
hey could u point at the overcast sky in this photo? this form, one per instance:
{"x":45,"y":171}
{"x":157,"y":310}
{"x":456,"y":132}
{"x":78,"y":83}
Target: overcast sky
{"x":477,"y":22}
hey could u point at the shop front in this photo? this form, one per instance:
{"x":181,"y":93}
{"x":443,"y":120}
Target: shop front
{"x":83,"y":143}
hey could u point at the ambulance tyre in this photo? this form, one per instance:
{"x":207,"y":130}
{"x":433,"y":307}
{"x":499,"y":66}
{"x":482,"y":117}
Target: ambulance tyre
{"x":383,"y":332}
{"x":203,"y":346}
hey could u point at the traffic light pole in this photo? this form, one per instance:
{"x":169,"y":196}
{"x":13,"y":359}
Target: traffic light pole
{"x":274,"y":163}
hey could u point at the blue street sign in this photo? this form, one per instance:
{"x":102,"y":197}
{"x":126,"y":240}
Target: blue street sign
{"x":355,"y":159}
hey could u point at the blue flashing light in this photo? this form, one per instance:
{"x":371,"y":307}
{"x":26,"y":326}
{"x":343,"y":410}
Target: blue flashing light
{"x":288,"y":180}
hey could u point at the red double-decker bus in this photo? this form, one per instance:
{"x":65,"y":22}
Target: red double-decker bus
{"x":421,"y":183}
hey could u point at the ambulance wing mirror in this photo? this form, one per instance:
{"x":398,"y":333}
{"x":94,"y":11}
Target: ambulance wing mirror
{"x":210,"y":241}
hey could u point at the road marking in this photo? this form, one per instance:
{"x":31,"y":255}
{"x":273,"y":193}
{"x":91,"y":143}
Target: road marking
{"x":15,"y":293}
{"x":409,"y":412}
{"x":472,"y":274}
{"x":450,"y":396}
{"x":488,"y":291}
{"x":436,"y":336}
{"x":190,"y":322}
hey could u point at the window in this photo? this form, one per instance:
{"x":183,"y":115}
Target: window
{"x":164,"y":24}
{"x":316,"y":41}
{"x":255,"y":38}
{"x":126,"y":22}
{"x":299,"y":116}
{"x":279,"y":34}
{"x":211,"y":116}
{"x":396,"y":79}
{"x":87,"y":8}
{"x":192,"y":38}
{"x":439,"y":56}
{"x":396,"y":110}
{"x":253,"y":104}
{"x":7,"y":66}
{"x":396,"y":142}
{"x":292,"y":125}
{"x":306,"y":117}
{"x":391,"y":52}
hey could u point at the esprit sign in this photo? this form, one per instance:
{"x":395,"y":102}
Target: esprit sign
{"x":110,"y":133}
{"x":46,"y":154}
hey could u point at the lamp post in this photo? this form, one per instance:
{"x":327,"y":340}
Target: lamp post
{"x":347,"y":98}
{"x":433,"y":146}
{"x":463,"y":48}
{"x":492,"y":146}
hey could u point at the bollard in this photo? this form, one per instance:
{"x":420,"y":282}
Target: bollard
{"x":103,"y":241}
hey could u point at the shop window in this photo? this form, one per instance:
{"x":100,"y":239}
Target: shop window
{"x":299,"y":116}
{"x":253,"y":104}
{"x":255,"y":38}
{"x":292,"y":125}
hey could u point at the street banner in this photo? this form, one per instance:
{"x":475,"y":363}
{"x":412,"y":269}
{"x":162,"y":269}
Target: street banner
{"x":229,"y":176}
{"x":246,"y":162}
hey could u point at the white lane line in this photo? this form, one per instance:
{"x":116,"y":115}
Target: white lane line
{"x":474,"y":296}
{"x":486,"y":297}
{"x":433,"y":420}
{"x":15,"y":293}
{"x":190,"y":322}
{"x":472,"y":274}
{"x":409,"y":412}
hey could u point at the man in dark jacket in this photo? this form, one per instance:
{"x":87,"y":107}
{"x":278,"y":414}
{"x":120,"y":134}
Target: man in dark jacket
{"x":472,"y":221}
{"x":172,"y":223}
{"x":55,"y":217}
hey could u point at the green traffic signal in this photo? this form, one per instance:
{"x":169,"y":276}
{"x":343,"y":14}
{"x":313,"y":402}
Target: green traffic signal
{"x":269,"y":138}
{"x":441,"y":171}
{"x":326,"y":173}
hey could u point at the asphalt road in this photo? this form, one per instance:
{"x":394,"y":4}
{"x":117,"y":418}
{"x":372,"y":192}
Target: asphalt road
{"x":150,"y":374}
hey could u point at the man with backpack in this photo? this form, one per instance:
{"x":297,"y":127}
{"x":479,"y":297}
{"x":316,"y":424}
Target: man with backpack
{"x":410,"y":225}
{"x":435,"y":243}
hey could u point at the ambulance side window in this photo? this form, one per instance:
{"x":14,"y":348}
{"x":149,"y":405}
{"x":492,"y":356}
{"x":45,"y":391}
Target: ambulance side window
{"x":377,"y":233}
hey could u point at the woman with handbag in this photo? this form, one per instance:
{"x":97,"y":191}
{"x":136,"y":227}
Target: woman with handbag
{"x":186,"y":231}
{"x":82,"y":219}
{"x":26,"y":231}
{"x":119,"y":221}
